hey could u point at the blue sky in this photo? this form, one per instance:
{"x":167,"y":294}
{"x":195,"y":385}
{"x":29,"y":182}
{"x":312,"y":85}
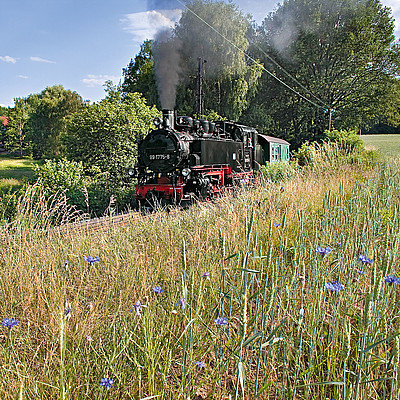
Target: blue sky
{"x":82,"y":43}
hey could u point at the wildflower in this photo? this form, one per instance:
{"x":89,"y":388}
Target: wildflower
{"x":181,"y":302}
{"x":322,"y":250}
{"x":392,"y":280}
{"x":106,"y":382}
{"x":158,"y":289}
{"x":359,"y":271}
{"x":277,"y":225}
{"x":364,"y":259}
{"x":206,"y":275}
{"x":199,"y":364}
{"x":138,"y":307}
{"x":335,"y":286}
{"x":88,"y":338}
{"x":91,"y":259}
{"x":10,"y":323}
{"x":221,"y":321}
{"x":282,"y":189}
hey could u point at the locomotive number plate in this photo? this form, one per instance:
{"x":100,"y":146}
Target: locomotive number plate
{"x":159,"y":156}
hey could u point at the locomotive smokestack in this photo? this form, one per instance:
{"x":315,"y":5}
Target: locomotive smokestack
{"x":168,"y":119}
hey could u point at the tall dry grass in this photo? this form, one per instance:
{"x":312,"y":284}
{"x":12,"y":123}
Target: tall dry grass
{"x":286,"y":337}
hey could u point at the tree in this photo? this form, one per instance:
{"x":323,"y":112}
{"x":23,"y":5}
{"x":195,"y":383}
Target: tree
{"x":139,"y":75}
{"x":15,"y":136}
{"x":213,"y":31}
{"x":340,"y":59}
{"x":216,"y":32}
{"x":103,"y":135}
{"x":47,"y":120}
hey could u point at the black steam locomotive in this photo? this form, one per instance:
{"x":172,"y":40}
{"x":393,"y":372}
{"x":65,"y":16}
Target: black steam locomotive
{"x":185,"y":159}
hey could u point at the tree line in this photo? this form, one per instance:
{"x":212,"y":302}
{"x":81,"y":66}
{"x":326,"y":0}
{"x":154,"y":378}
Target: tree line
{"x":310,"y":66}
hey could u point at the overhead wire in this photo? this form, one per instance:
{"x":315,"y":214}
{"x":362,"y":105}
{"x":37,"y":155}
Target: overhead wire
{"x":261,"y":65}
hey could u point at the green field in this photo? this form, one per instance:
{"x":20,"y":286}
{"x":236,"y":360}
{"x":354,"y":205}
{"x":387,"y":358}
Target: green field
{"x":388,"y":145}
{"x":13,"y":171}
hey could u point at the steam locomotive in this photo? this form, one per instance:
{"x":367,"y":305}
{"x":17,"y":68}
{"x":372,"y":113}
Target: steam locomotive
{"x":183,"y":159}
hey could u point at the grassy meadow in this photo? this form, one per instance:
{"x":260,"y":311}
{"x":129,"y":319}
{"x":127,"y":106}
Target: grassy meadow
{"x":14,"y":172}
{"x":387,"y":145}
{"x":279,"y":293}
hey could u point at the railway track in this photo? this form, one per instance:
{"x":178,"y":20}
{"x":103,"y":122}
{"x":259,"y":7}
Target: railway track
{"x":102,"y":223}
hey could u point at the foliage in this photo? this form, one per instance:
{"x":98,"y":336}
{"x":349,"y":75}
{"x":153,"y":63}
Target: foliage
{"x":103,"y":135}
{"x":279,"y":171}
{"x":15,"y":134}
{"x":348,"y":140}
{"x":139,"y":75}
{"x":341,"y":56}
{"x":46,"y":122}
{"x":216,"y":32}
{"x":63,"y":176}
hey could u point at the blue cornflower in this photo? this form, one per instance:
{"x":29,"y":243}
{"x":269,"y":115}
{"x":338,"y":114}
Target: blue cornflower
{"x":181,"y":302}
{"x":335,"y":286}
{"x":276,"y":225}
{"x":158,"y":289}
{"x":199,"y":364}
{"x":392,"y":280}
{"x":221,"y":321}
{"x":106,"y":382}
{"x":10,"y":323}
{"x":282,"y":189}
{"x":323,"y":250}
{"x":91,"y":259}
{"x":364,"y":259}
{"x":359,"y":271}
{"x":206,"y":275}
{"x":138,"y":307}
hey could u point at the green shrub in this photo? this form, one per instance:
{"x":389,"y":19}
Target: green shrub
{"x":279,"y":171}
{"x":348,"y":141}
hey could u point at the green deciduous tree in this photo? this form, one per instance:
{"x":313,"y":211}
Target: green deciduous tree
{"x":47,"y":120}
{"x":340,"y":55}
{"x":103,"y":135}
{"x":15,"y":135}
{"x":216,"y":32}
{"x":139,"y":75}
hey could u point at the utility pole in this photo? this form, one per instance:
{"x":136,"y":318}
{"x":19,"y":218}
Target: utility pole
{"x":199,"y":94}
{"x":330,"y":118}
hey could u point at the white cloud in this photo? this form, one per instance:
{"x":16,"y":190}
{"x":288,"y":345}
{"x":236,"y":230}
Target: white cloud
{"x":42,"y":60}
{"x":23,"y":77}
{"x":145,"y":25}
{"x":8,"y":59}
{"x":99,"y":80}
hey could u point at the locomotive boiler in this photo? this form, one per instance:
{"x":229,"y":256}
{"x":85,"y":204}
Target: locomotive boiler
{"x":183,"y":159}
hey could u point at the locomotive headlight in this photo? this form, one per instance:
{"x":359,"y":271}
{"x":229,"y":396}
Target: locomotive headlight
{"x":131,"y":172}
{"x":157,"y":121}
{"x":186,"y":172}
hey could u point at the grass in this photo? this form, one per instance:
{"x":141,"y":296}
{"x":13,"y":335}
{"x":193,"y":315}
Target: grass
{"x":287,"y":336}
{"x":14,"y":172}
{"x":388,"y":145}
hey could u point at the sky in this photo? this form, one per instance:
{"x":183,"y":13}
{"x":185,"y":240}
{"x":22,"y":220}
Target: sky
{"x":80,"y":44}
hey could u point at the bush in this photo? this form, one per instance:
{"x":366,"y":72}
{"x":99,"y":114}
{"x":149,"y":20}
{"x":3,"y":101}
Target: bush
{"x":348,"y":141}
{"x":279,"y":171}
